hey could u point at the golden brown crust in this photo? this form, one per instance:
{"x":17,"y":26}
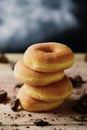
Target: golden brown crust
{"x":42,"y":72}
{"x":48,"y":57}
{"x":52,"y":92}
{"x":26,"y":75}
{"x":34,"y":105}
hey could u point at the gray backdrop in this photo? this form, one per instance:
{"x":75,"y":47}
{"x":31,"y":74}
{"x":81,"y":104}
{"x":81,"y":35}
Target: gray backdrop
{"x":25,"y":22}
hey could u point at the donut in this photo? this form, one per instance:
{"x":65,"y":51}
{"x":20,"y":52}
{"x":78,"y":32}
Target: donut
{"x":52,"y":92}
{"x":48,"y":57}
{"x":26,"y":75}
{"x":30,"y":104}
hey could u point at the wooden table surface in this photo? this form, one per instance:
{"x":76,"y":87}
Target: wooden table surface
{"x":62,"y":118}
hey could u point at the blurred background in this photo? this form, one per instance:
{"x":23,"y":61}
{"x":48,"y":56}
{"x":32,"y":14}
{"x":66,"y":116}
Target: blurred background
{"x":25,"y":22}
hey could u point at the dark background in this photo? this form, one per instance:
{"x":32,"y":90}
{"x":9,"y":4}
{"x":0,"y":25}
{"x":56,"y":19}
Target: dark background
{"x":25,"y":22}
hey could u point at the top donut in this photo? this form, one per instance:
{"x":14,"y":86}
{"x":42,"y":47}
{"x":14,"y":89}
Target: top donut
{"x":48,"y":57}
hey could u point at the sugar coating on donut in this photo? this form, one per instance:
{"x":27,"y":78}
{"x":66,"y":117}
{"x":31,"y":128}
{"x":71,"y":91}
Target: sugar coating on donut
{"x":34,"y":105}
{"x":26,"y":75}
{"x":51,"y":92}
{"x":42,"y":72}
{"x":49,"y":57}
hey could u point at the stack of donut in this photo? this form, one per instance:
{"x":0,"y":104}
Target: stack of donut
{"x":42,"y":71}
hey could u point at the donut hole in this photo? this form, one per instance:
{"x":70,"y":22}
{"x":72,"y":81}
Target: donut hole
{"x":47,"y":49}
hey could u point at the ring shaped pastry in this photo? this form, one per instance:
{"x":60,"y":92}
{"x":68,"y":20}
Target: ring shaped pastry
{"x":48,"y":57}
{"x":35,"y":78}
{"x":34,"y":105}
{"x":51,"y":92}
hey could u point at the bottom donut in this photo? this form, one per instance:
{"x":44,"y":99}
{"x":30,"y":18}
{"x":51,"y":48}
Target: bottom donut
{"x":34,"y":105}
{"x":59,"y":90}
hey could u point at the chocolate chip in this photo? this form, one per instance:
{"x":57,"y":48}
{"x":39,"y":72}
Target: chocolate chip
{"x":27,"y":127}
{"x":81,"y":118}
{"x":15,"y":104}
{"x":14,"y":124}
{"x":77,"y":81}
{"x":81,"y":105}
{"x":40,"y":122}
{"x":3,"y":96}
{"x":3,"y":58}
{"x":29,"y":115}
{"x":0,"y":123}
{"x":18,"y":85}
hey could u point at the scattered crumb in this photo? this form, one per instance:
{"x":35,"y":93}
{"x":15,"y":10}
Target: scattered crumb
{"x":81,"y":105}
{"x":3,"y":96}
{"x":3,"y":58}
{"x":18,"y":85}
{"x":40,"y":122}
{"x":14,"y":104}
{"x":77,"y":81}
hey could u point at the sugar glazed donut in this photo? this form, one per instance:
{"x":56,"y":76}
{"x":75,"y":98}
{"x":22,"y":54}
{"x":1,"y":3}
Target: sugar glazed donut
{"x":35,"y":78}
{"x":48,"y":57}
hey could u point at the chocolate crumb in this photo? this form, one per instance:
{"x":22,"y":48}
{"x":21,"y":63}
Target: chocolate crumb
{"x":3,"y":96}
{"x":18,"y":115}
{"x":27,"y":127}
{"x":9,"y":115}
{"x":80,"y":118}
{"x":53,"y":120}
{"x":40,"y":122}
{"x":29,"y":115}
{"x":18,"y":85}
{"x":0,"y":123}
{"x":81,"y":105}
{"x":80,"y":124}
{"x":4,"y":113}
{"x":3,"y":58}
{"x":15,"y":104}
{"x":45,"y":118}
{"x":14,"y":125}
{"x":65,"y":124}
{"x":77,"y":81}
